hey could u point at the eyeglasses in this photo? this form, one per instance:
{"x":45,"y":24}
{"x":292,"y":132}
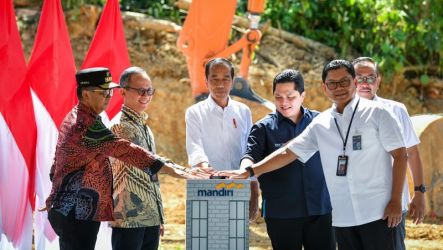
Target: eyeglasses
{"x":105,"y":92}
{"x":366,"y":79}
{"x":142,"y":91}
{"x":343,"y":83}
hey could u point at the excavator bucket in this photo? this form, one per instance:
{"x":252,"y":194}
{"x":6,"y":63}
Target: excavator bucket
{"x":242,"y":89}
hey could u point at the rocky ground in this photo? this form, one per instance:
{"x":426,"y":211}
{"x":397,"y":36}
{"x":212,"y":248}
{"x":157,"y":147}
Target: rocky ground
{"x":151,"y":45}
{"x":425,"y":236}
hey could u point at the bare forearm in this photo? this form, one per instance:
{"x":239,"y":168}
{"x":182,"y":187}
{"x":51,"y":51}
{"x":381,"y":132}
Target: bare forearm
{"x":168,"y":169}
{"x":415,"y":165}
{"x":254,"y":187}
{"x":274,"y":161}
{"x":398,"y":173}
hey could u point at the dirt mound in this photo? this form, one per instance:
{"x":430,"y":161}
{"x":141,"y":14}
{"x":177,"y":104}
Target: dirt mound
{"x":428,"y":128}
{"x":152,"y":46}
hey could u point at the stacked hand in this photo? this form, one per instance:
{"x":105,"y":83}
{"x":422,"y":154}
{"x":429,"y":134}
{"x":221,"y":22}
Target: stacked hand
{"x":235,"y":174}
{"x":185,"y":173}
{"x":204,"y":169}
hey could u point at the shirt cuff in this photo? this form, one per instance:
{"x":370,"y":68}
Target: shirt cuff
{"x":194,"y":160}
{"x":303,"y":157}
{"x":247,"y":157}
{"x":156,"y":166}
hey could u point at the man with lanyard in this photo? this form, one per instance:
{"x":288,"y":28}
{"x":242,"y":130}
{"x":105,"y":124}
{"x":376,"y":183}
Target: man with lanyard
{"x":81,"y":174}
{"x":357,"y":140}
{"x":296,"y":205}
{"x":368,"y":81}
{"x":138,"y":209}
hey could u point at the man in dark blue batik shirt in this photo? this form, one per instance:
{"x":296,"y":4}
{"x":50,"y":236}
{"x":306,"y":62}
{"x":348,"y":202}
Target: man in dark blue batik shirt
{"x":296,"y":204}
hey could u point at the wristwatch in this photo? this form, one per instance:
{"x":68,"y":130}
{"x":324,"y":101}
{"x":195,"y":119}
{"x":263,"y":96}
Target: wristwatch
{"x":250,"y":170}
{"x":422,"y":188}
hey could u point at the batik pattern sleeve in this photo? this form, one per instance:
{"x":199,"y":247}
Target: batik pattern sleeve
{"x":128,"y":133}
{"x":100,"y":139}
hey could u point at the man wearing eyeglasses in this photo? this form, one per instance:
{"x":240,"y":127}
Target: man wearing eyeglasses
{"x":356,"y":139}
{"x":81,"y":174}
{"x":295,"y":200}
{"x":368,"y":82}
{"x":138,"y":209}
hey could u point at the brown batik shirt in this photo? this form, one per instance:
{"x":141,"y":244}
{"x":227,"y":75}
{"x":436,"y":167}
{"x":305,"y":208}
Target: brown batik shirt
{"x":81,"y":174}
{"x":137,"y":199}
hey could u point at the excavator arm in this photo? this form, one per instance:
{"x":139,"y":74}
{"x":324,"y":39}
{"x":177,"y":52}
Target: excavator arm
{"x":205,"y":35}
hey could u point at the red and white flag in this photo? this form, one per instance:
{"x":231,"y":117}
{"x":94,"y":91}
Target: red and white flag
{"x":17,"y":138}
{"x":51,"y":74}
{"x":108,"y":49}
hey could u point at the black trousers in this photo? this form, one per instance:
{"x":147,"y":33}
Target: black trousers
{"x":74,"y":234}
{"x":312,"y":232}
{"x":142,"y":238}
{"x":401,"y":232}
{"x":371,"y":236}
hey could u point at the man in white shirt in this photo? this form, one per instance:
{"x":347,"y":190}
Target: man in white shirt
{"x":356,"y":139}
{"x":217,"y":128}
{"x":368,"y":82}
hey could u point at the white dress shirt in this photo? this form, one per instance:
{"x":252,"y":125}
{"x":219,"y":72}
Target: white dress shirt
{"x":409,"y":136}
{"x":216,"y":135}
{"x":361,"y":196}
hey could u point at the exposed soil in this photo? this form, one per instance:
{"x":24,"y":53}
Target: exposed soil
{"x":425,"y":236}
{"x":155,"y":50}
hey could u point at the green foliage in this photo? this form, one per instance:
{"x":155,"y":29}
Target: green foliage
{"x":397,"y":33}
{"x":164,"y":9}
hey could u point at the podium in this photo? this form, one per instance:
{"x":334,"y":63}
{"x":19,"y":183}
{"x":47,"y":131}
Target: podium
{"x":217,"y":214}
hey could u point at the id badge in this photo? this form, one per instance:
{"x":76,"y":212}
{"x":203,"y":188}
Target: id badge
{"x":356,"y":142}
{"x":342,"y":165}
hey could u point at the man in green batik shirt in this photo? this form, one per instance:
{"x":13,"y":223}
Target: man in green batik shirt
{"x":138,"y":210}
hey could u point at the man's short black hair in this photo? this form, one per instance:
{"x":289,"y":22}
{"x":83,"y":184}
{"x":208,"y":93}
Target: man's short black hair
{"x":338,"y":64}
{"x":366,"y":59}
{"x":290,"y":75}
{"x":217,"y":61}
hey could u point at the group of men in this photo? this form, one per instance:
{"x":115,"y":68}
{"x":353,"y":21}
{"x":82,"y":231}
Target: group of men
{"x":317,"y":187}
{"x":364,"y":143}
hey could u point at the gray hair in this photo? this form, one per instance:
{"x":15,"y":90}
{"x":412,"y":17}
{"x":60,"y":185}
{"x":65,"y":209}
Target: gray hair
{"x":366,"y":59}
{"x":125,"y":77}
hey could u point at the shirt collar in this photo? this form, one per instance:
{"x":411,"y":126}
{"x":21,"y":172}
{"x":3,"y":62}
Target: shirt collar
{"x":280,"y":117}
{"x":140,"y":118}
{"x":213,"y":105}
{"x":375,"y":98}
{"x":83,"y":108}
{"x":349,"y":107}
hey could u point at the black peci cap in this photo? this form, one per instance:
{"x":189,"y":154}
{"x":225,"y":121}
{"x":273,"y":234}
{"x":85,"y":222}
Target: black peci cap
{"x":95,"y":77}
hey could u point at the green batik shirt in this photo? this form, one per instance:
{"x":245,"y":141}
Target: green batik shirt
{"x":136,"y":194}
